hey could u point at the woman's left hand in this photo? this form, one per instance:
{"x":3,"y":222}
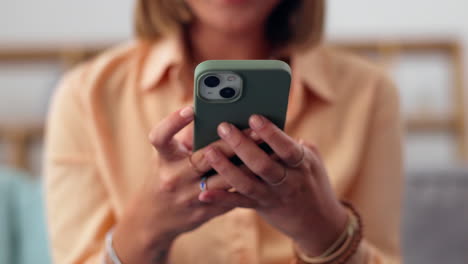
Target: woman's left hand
{"x":289,"y":189}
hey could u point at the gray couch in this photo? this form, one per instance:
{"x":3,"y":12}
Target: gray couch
{"x":435,"y":217}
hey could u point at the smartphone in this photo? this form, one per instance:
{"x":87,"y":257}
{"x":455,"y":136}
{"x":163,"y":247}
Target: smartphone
{"x":233,"y":90}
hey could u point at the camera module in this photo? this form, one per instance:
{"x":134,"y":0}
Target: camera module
{"x":227,"y":92}
{"x":212,"y":81}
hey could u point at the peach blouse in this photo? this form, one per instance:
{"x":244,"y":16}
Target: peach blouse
{"x":98,"y":152}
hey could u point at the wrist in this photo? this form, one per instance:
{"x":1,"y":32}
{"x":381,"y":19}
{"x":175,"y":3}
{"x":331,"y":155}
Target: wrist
{"x":343,"y":249}
{"x":137,"y":238}
{"x":322,"y":232}
{"x":140,"y":248}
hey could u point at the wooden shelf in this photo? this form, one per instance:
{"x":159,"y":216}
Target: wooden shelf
{"x":399,"y":45}
{"x":69,"y":56}
{"x":29,"y":53}
{"x":430,"y":124}
{"x":18,"y":140}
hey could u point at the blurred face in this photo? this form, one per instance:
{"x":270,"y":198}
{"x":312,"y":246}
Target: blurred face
{"x":232,"y":15}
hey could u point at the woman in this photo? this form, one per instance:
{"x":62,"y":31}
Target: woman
{"x":106,"y":181}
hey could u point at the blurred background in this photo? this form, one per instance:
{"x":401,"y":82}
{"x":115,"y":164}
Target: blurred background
{"x":421,"y":43}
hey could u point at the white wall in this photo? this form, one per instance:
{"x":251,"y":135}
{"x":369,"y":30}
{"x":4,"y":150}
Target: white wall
{"x":44,"y":22}
{"x":398,"y":17}
{"x":52,"y":21}
{"x":87,"y":20}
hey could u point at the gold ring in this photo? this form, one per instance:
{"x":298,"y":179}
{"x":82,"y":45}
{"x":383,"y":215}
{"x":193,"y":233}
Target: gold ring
{"x":285,"y":175}
{"x":297,"y":164}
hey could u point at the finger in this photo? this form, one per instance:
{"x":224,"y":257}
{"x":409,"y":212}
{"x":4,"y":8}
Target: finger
{"x":162,"y":136}
{"x":215,"y":182}
{"x":254,"y":136}
{"x":253,"y":157}
{"x":244,"y":183}
{"x":185,"y":137}
{"x":226,"y":199}
{"x":198,"y":161}
{"x":198,"y":166}
{"x":290,"y":152}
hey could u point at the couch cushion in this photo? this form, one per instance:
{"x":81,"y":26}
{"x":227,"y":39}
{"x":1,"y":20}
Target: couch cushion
{"x":435,"y":219}
{"x":23,"y":237}
{"x":7,"y":218}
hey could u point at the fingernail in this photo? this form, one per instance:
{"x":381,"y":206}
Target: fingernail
{"x":211,"y":155}
{"x":254,"y":136}
{"x":186,"y":112}
{"x":256,"y":122}
{"x":224,"y":129}
{"x":203,"y":197}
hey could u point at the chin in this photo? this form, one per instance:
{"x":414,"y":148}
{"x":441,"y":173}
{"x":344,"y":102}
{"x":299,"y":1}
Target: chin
{"x":235,"y":2}
{"x":237,"y":24}
{"x":232,"y":15}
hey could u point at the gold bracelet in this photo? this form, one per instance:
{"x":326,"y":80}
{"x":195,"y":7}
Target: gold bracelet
{"x":340,"y":241}
{"x":356,"y":240}
{"x":340,"y":251}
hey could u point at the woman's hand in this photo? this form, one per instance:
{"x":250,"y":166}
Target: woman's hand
{"x":291,"y":191}
{"x":168,"y":205}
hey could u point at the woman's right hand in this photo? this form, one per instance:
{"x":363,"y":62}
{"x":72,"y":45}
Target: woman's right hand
{"x":168,"y":204}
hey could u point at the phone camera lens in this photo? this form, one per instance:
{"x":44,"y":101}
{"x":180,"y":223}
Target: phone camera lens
{"x":212,"y":81}
{"x":227,"y":92}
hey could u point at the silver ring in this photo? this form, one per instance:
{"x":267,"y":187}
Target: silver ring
{"x":203,"y":183}
{"x":285,"y":175}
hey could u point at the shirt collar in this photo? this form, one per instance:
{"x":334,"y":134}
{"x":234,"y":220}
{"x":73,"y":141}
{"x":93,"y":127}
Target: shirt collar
{"x":311,"y":66}
{"x":314,"y":69}
{"x":159,"y":58}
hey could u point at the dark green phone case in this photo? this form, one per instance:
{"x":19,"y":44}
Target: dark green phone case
{"x":266,"y":85}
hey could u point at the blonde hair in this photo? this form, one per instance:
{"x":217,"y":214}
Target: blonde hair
{"x":296,"y":23}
